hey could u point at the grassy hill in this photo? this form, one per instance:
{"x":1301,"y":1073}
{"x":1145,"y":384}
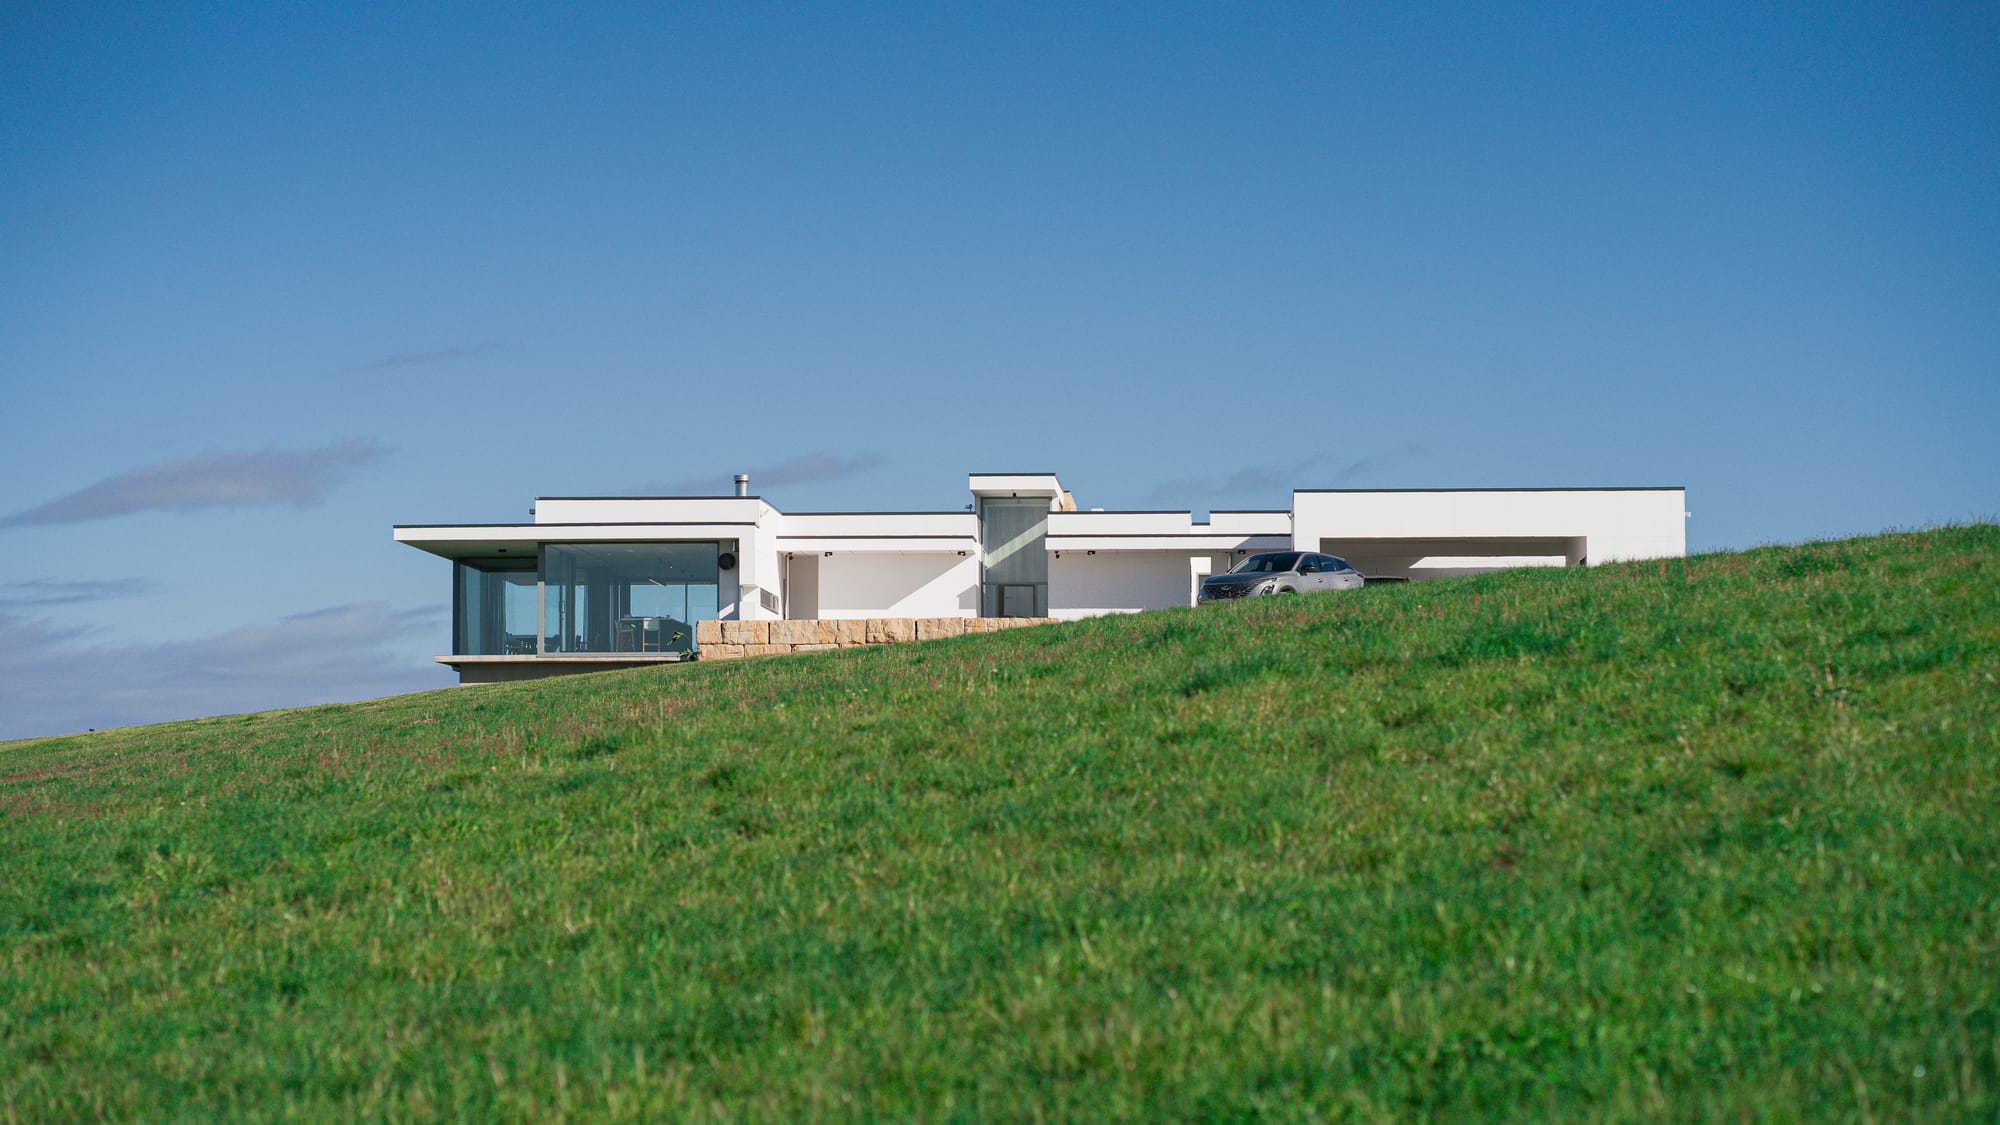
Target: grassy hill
{"x":1711,"y":838}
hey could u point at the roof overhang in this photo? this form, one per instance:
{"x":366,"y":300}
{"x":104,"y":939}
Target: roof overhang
{"x":487,"y":541}
{"x":1043,"y":485}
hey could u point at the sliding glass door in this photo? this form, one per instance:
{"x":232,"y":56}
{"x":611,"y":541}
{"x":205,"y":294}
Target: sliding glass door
{"x":627,"y":597}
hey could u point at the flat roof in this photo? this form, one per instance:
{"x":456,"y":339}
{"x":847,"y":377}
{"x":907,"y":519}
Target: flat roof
{"x":641,"y":496}
{"x":1587,"y":488}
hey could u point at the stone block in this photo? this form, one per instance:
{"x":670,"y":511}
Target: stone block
{"x":891,"y":630}
{"x":717,"y":650}
{"x":793,"y":632}
{"x":707,"y":633}
{"x":746,"y":632}
{"x":767,"y":650}
{"x":937,"y":628}
{"x":814,"y":648}
{"x":847,"y":632}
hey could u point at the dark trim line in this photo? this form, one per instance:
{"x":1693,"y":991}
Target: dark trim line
{"x":1249,"y":511}
{"x":1594,"y":488}
{"x":593,"y":523}
{"x":1128,"y":512}
{"x":809,"y":535}
{"x":1041,"y":474}
{"x":960,"y":512}
{"x":550,"y":658}
{"x":1168,"y":535}
{"x":539,"y":499}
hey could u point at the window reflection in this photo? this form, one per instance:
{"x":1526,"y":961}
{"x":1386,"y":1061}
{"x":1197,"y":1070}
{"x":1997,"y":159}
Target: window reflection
{"x":495,"y":606}
{"x":618,"y":597}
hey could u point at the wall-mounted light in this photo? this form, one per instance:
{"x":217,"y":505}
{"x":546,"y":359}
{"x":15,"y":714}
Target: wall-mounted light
{"x":1090,"y":552}
{"x":829,"y":554}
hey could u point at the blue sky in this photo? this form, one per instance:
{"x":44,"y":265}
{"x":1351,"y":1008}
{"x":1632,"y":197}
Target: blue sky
{"x":274,"y":278}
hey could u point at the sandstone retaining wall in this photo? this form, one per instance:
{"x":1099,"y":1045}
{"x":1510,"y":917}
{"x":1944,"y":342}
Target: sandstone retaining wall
{"x":727,"y":640}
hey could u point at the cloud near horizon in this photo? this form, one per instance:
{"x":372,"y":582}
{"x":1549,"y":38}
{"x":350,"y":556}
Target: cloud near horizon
{"x":806,"y":468}
{"x":40,"y":592}
{"x":300,"y":478}
{"x":52,"y":682}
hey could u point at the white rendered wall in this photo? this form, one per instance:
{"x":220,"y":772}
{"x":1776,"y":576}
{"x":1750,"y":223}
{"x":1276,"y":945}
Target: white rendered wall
{"x":1249,"y":523}
{"x":883,"y":585}
{"x":1624,"y":523}
{"x":761,"y":565}
{"x":858,"y":525}
{"x":1083,"y":585}
{"x":639,"y":509}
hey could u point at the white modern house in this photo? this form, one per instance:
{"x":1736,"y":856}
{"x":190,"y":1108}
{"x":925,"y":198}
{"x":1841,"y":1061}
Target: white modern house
{"x":610,"y":581}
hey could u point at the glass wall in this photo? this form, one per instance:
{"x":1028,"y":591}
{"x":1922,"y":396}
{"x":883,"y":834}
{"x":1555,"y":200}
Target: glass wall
{"x":627,"y":597}
{"x":494,"y":608}
{"x":1014,"y":577}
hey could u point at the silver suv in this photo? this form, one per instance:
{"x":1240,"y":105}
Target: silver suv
{"x":1280,"y":572}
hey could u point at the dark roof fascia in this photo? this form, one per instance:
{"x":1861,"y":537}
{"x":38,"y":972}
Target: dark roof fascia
{"x":1589,"y":488}
{"x":539,"y":499}
{"x":906,"y":535}
{"x":960,"y":512}
{"x":1129,"y":512}
{"x":507,"y":526}
{"x":1168,"y":535}
{"x":592,"y":523}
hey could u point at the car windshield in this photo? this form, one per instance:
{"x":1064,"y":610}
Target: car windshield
{"x":1276,"y":563}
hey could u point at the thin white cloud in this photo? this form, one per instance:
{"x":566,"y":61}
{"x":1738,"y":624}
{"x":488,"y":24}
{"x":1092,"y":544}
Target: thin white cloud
{"x":1270,"y":484}
{"x":38,"y":593}
{"x":52,"y":681}
{"x":806,"y":468}
{"x":1367,"y":465}
{"x":398,"y":360}
{"x":300,"y":477}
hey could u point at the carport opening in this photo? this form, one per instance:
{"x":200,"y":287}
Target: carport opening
{"x":1420,"y":559}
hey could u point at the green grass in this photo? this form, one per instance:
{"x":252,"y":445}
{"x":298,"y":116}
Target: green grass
{"x":1715,"y":838}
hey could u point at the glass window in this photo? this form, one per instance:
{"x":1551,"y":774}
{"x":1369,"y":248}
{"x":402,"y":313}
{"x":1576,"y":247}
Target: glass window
{"x":494,"y":608}
{"x":1276,"y":562}
{"x":1014,"y":575}
{"x":628,"y":597}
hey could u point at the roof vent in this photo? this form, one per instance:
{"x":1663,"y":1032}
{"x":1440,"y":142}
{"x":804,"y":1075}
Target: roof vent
{"x":742,"y":484}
